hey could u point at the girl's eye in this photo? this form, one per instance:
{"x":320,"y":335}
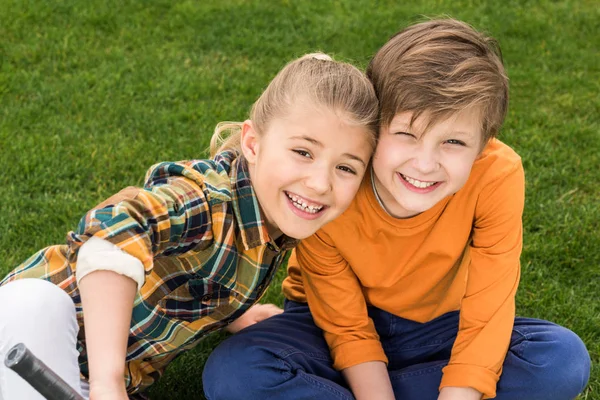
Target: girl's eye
{"x":347,"y":169}
{"x":454,"y":141}
{"x":303,"y":153}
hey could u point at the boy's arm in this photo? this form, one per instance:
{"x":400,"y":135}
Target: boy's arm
{"x":338,"y":306}
{"x":488,"y":307}
{"x":369,"y":381}
{"x":459,"y":393}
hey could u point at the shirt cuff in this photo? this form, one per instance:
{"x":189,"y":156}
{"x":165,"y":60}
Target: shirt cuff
{"x":99,"y":254}
{"x":473,"y":376}
{"x":357,"y":352}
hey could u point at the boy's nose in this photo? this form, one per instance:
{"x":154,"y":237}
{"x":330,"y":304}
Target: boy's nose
{"x":426,"y":160}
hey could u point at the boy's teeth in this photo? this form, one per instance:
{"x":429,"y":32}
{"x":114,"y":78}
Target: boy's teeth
{"x":416,"y":183}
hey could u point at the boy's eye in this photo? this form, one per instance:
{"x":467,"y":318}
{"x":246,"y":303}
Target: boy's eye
{"x":404,"y":134}
{"x":347,"y":169}
{"x":454,"y":141}
{"x":303,"y":153}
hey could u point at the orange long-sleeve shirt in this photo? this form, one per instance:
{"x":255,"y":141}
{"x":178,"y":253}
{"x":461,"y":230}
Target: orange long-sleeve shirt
{"x":462,"y":254}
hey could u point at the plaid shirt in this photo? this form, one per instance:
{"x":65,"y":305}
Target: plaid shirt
{"x":198,"y":230}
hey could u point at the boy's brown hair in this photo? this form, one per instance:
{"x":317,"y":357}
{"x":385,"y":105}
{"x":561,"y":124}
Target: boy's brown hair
{"x":438,"y":68}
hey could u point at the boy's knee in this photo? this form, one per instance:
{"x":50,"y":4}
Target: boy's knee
{"x":238,"y":366}
{"x":566,"y":363}
{"x":573,"y":359}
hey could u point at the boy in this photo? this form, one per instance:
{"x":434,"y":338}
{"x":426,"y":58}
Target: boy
{"x":412,"y":290}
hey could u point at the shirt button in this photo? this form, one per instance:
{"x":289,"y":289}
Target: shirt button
{"x":270,"y":246}
{"x":260,"y":287}
{"x":206,"y":297}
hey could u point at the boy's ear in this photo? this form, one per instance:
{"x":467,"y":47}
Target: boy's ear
{"x":249,"y":141}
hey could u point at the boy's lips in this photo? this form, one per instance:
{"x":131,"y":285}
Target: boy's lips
{"x":417,"y":185}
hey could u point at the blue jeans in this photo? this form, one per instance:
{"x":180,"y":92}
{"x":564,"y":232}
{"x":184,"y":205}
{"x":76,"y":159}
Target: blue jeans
{"x":286,"y":357}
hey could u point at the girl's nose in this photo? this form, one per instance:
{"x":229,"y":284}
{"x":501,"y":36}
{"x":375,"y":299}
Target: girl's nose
{"x":319,"y":180}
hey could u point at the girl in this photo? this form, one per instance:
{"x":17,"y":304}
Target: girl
{"x":150,"y":272}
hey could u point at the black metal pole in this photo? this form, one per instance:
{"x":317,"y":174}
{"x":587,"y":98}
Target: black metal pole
{"x":38,"y":375}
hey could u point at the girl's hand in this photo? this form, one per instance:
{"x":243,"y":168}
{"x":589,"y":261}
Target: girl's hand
{"x":256,"y":313}
{"x":112,"y":391}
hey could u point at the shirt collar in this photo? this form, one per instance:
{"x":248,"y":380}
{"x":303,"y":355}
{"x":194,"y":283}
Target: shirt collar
{"x":253,"y":228}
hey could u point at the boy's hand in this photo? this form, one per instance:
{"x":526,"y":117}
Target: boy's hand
{"x":256,"y":313}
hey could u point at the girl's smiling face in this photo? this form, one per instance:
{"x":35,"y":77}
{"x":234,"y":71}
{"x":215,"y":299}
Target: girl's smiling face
{"x":414,"y":170}
{"x":306,"y":168}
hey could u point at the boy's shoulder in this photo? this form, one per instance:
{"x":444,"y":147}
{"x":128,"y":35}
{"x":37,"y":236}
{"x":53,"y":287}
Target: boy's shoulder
{"x":496,"y":160}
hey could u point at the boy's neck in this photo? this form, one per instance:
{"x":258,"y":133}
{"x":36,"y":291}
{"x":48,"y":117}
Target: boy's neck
{"x":381,"y":203}
{"x":377,"y":194}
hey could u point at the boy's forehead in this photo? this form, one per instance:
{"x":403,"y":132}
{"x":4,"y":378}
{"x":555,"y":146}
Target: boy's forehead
{"x":467,"y":122}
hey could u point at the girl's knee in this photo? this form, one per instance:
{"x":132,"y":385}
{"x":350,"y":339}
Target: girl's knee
{"x":34,"y":303}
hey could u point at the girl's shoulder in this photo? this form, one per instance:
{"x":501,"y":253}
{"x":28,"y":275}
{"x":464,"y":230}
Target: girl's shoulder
{"x":217,"y":177}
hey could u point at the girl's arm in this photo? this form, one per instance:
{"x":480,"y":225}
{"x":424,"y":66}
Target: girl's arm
{"x":113,"y":251}
{"x":369,"y":381}
{"x":107,"y":300}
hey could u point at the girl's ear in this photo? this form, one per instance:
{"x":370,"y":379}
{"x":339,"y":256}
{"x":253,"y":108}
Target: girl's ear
{"x":249,"y":141}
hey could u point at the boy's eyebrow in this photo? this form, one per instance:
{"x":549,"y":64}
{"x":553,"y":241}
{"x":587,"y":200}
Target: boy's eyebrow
{"x":461,"y":133}
{"x":406,"y":128}
{"x":319,"y":144}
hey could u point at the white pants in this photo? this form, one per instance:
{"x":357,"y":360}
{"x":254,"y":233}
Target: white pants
{"x":42,"y":316}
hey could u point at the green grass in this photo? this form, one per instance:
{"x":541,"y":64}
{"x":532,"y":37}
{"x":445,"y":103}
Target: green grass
{"x":94,"y":92}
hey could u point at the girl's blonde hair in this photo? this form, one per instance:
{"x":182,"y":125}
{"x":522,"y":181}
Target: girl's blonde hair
{"x":313,"y":78}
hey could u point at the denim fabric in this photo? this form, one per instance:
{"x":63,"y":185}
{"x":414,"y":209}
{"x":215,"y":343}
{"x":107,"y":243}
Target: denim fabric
{"x":286,"y":357}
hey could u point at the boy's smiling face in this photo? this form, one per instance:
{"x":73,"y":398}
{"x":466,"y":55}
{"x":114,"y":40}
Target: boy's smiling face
{"x":414,"y":170}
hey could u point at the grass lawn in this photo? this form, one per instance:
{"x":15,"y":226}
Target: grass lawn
{"x":94,"y":92}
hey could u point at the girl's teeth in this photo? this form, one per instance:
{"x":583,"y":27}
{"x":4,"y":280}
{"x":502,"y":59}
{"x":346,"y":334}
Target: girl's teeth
{"x":300,"y":204}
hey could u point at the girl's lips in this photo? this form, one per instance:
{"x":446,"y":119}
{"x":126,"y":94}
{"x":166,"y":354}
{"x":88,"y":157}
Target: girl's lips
{"x":304,"y":213}
{"x":303,"y":200}
{"x":416,"y":189}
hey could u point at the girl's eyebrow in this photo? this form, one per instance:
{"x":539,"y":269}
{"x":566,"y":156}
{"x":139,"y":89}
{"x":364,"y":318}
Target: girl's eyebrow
{"x":353,"y":157}
{"x":319,"y":144}
{"x":309,"y":139}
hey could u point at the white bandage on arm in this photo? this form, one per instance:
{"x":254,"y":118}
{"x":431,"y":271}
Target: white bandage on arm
{"x":99,"y":254}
